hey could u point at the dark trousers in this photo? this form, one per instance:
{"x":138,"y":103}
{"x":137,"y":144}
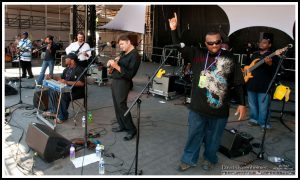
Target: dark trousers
{"x":120,"y":91}
{"x":63,"y":113}
{"x":26,"y":65}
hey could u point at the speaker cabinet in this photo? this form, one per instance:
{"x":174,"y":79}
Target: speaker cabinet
{"x":46,"y":142}
{"x":234,"y":145}
{"x":165,"y":83}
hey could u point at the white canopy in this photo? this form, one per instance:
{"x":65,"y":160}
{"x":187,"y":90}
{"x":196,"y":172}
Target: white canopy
{"x":129,"y":18}
{"x":281,"y":17}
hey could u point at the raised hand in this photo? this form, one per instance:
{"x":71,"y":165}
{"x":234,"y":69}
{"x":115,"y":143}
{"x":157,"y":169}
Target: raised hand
{"x":173,"y":22}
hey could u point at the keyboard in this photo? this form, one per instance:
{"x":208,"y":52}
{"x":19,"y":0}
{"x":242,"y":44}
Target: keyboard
{"x":56,"y":85}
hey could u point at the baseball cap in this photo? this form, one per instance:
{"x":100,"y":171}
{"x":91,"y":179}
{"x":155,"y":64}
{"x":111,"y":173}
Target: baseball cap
{"x":72,"y":56}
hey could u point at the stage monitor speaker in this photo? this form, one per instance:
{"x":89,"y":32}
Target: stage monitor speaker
{"x":46,"y":142}
{"x":234,"y":145}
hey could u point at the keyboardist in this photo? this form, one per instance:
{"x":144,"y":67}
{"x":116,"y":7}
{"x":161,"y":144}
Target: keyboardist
{"x":68,"y":77}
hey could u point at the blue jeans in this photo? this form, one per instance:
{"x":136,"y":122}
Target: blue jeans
{"x":259,"y":110}
{"x":63,"y":113}
{"x":43,"y":70}
{"x":203,"y":129}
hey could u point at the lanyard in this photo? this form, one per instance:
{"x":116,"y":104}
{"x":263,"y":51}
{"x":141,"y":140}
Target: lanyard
{"x":212,"y":62}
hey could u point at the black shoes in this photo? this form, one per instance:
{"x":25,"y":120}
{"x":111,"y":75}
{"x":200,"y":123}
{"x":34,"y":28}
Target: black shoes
{"x":128,"y":137}
{"x":117,"y":129}
{"x":29,"y":77}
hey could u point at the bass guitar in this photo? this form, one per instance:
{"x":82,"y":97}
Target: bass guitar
{"x":258,"y":62}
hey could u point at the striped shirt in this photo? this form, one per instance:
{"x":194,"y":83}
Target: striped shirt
{"x":25,"y":49}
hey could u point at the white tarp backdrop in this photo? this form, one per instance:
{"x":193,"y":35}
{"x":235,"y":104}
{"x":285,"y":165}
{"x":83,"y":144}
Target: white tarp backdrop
{"x":281,"y":17}
{"x":129,"y":18}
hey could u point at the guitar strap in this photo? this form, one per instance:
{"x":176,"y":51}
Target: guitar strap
{"x":76,"y":52}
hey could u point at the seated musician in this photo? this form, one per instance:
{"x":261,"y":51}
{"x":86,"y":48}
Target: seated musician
{"x":68,"y":77}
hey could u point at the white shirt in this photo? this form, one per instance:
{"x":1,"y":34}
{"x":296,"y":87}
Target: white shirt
{"x":73,"y":47}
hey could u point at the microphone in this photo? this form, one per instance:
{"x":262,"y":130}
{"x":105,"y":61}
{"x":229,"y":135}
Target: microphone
{"x":180,"y":45}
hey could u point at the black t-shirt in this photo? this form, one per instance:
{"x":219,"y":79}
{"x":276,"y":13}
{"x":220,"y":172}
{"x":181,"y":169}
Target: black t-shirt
{"x":224,"y":78}
{"x":263,"y":74}
{"x":50,"y":56}
{"x":72,"y":74}
{"x":129,"y":65}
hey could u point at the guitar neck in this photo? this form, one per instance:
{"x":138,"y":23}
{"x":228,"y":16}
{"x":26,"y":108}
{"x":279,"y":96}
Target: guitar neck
{"x":261,"y":61}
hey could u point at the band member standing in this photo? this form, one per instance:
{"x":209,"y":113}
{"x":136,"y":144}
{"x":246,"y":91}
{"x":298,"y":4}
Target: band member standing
{"x":24,"y":49}
{"x":258,"y":85}
{"x":216,"y":73}
{"x":81,"y":48}
{"x":49,"y":60}
{"x":68,"y":77}
{"x":124,"y":70}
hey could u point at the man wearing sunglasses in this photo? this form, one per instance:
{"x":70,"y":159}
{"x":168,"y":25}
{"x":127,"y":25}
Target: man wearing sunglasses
{"x":217,"y":75}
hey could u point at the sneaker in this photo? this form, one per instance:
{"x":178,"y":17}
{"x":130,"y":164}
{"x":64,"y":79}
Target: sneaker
{"x":58,"y":121}
{"x":183,"y":167}
{"x":206,"y":165}
{"x":268,"y":127}
{"x":252,"y":122}
{"x":48,"y":113}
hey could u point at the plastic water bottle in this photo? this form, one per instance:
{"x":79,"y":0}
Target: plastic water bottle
{"x":101,"y":150}
{"x":101,"y":166}
{"x":83,"y":121}
{"x":10,"y":83}
{"x":90,"y":117}
{"x":275,"y":159}
{"x":98,"y":151}
{"x":72,"y":152}
{"x":15,"y":84}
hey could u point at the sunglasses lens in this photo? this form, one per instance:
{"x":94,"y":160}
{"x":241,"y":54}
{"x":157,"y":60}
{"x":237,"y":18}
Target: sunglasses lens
{"x":212,"y":43}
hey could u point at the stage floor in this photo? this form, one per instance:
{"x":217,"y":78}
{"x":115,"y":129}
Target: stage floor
{"x":163,"y":133}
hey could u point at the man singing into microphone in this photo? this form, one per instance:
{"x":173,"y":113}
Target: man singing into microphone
{"x":124,"y":70}
{"x":49,"y":60}
{"x":216,"y":73}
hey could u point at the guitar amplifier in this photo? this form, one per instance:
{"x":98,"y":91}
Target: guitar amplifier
{"x":164,"y":86}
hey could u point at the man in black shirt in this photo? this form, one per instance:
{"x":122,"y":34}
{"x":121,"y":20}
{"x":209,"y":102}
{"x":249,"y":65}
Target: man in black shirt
{"x":49,"y":58}
{"x":258,"y":85}
{"x":68,"y":77}
{"x":124,"y":70}
{"x":216,"y":73}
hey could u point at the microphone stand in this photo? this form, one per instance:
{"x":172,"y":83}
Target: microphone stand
{"x":85,"y":96}
{"x":20,"y":84}
{"x":260,"y":155}
{"x":138,"y":101}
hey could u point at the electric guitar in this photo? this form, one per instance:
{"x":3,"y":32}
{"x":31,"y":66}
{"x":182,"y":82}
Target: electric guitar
{"x":258,"y":62}
{"x":92,"y":49}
